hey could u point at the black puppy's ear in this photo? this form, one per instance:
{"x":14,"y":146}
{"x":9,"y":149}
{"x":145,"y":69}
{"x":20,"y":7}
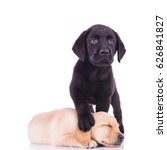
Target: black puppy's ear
{"x":120,"y":47}
{"x":79,"y":47}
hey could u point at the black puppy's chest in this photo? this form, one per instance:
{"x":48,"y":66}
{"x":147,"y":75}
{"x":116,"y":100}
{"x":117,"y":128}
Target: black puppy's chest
{"x":97,"y":74}
{"x":95,"y":80}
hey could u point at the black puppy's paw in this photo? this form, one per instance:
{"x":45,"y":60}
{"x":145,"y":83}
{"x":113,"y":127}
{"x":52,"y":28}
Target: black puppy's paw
{"x":121,"y":127}
{"x":85,"y":122}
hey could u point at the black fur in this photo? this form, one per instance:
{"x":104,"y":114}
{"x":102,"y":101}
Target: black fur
{"x":93,"y":81}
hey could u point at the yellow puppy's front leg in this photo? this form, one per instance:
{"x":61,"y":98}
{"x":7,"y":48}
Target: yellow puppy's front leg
{"x":76,"y":139}
{"x":85,"y":138}
{"x":70,"y":140}
{"x":92,"y":144}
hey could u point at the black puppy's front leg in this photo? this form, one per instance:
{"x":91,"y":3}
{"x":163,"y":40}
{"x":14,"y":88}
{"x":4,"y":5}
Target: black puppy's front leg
{"x":85,"y":118}
{"x":91,"y":108}
{"x":115,"y":102}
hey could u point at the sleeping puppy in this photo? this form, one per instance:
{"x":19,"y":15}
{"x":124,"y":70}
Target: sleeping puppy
{"x":93,"y":81}
{"x":59,"y":128}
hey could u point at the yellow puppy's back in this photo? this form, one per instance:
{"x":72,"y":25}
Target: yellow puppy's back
{"x":44,"y":126}
{"x":38,"y":128}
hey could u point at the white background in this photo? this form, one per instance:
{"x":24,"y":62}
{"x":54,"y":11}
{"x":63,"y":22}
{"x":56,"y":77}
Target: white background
{"x":36,"y":63}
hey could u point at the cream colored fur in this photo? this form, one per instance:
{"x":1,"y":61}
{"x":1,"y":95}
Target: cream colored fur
{"x":60,"y":128}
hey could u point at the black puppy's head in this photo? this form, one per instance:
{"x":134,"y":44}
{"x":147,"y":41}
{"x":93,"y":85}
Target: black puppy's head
{"x":99,"y":44}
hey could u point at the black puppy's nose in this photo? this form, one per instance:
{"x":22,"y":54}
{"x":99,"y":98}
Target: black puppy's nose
{"x":104,"y":52}
{"x":120,"y":137}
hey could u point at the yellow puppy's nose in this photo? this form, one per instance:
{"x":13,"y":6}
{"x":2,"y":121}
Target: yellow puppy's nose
{"x":120,"y":137}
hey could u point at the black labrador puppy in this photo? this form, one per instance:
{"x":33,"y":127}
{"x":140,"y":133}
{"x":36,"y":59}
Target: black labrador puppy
{"x":93,"y":81}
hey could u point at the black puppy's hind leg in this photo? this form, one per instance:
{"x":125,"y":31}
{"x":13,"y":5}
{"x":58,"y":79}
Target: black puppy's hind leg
{"x":115,"y":102}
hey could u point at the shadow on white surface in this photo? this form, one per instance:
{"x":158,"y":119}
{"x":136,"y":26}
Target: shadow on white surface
{"x":49,"y":147}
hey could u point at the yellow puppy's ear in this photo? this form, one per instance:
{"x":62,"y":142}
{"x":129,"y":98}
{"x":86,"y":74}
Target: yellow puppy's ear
{"x":104,"y":118}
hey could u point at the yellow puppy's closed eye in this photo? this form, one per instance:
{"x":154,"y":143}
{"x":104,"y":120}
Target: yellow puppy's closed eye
{"x":107,"y":125}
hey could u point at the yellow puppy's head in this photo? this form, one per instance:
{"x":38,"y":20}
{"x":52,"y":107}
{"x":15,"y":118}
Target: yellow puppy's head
{"x":106,"y":130}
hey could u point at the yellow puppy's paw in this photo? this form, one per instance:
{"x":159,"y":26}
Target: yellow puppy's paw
{"x":92,"y":144}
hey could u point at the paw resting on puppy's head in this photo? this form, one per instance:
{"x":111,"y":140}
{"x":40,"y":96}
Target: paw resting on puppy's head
{"x":85,"y":122}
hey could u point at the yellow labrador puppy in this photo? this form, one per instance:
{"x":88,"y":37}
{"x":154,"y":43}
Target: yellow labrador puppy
{"x":60,"y":128}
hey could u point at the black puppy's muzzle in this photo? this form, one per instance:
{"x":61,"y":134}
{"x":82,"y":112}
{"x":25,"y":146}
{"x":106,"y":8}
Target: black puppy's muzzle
{"x":102,"y":57}
{"x":104,"y":52}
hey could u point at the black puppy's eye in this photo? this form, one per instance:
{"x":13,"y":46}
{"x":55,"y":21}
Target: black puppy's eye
{"x":94,"y":41}
{"x":111,"y":41}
